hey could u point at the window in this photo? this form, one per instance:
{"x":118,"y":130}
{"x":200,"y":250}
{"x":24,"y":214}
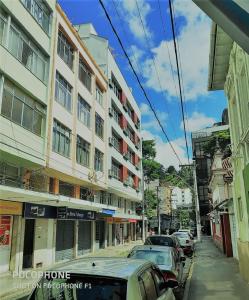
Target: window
{"x":116,"y":89}
{"x":130,"y":181}
{"x":3,"y":26}
{"x":110,"y":200}
{"x":63,"y":92}
{"x":116,"y":141}
{"x":119,"y":202}
{"x":116,"y":170}
{"x":130,"y":155}
{"x":125,"y":205}
{"x":82,"y":152}
{"x":130,"y":133}
{"x":99,"y":96}
{"x":116,"y":115}
{"x":129,"y":110}
{"x":40,"y":12}
{"x":86,"y":194}
{"x":27,"y":53}
{"x":85,"y":76}
{"x":240,"y":206}
{"x":9,"y":175}
{"x":61,"y":139}
{"x":66,"y":189}
{"x":21,"y":109}
{"x":99,"y":126}
{"x":65,"y":50}
{"x":84,"y":111}
{"x":98,"y":160}
{"x":102,"y":198}
{"x":149,"y":285}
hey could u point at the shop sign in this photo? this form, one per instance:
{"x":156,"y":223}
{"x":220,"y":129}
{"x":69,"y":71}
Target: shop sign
{"x":132,"y":220}
{"x":32,"y":210}
{"x":109,"y":212}
{"x":75,"y":214}
{"x":5,"y":224}
{"x":10,"y":208}
{"x":116,"y":220}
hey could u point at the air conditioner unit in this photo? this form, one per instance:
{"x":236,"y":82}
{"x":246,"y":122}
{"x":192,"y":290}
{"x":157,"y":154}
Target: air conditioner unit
{"x":137,"y":167}
{"x":125,"y":106}
{"x":126,"y":182}
{"x":137,"y":145}
{"x":111,"y":141}
{"x":125,"y":155}
{"x":125,"y":130}
{"x":110,"y":84}
{"x":111,"y":111}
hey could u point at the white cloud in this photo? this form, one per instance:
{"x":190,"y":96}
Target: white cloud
{"x":194,"y":49}
{"x":151,"y":122}
{"x":131,"y":15}
{"x":198,"y":121}
{"x":165,"y":154}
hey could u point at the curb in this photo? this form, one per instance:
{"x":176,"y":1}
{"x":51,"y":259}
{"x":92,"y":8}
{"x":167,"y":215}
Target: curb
{"x":188,"y":281}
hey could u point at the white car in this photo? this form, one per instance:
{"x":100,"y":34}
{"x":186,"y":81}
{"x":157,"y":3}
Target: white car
{"x":186,"y":230}
{"x":105,"y":278}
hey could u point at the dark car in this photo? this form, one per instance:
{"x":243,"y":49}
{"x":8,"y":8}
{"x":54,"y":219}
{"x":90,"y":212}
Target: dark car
{"x":168,"y":241}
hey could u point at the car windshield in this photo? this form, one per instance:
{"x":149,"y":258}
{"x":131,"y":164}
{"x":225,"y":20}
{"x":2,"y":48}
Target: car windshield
{"x":182,"y":235}
{"x":81,"y":287}
{"x":160,"y":241}
{"x":157,"y":257}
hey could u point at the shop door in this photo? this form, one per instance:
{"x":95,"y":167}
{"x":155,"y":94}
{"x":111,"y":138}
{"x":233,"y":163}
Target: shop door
{"x":84,"y":237}
{"x":64,"y":240}
{"x":100,"y":233}
{"x":28,"y":247}
{"x":113,"y":234}
{"x":5,"y":242}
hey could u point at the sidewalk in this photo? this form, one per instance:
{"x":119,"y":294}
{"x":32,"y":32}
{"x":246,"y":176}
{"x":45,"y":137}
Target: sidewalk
{"x":215,"y":276}
{"x":16,"y":288}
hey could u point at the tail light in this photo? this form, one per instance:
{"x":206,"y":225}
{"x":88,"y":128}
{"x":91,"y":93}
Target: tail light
{"x":187,"y":241}
{"x":169,"y":276}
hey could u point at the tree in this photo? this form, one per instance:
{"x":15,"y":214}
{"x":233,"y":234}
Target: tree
{"x":149,"y":149}
{"x":150,"y":203}
{"x":219,"y":140}
{"x":151,"y":170}
{"x":171,"y":170}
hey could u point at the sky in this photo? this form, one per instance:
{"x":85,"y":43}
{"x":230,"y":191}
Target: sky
{"x":145,"y":30}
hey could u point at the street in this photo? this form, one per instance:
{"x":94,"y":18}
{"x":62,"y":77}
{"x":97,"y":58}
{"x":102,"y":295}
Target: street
{"x":215,"y":276}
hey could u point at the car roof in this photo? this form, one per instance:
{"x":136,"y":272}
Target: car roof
{"x":153,"y":247}
{"x":104,"y":266}
{"x":159,"y":235}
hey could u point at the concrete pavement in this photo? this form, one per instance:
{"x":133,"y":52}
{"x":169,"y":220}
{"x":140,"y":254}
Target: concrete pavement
{"x":214,"y":276}
{"x":16,"y":288}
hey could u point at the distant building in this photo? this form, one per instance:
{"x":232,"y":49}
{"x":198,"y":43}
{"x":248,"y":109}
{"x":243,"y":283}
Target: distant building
{"x":181,"y":198}
{"x":203,"y":166}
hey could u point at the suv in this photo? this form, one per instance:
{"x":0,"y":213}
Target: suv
{"x":105,"y":278}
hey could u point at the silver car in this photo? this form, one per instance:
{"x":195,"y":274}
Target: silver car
{"x":104,"y":279}
{"x":163,"y":257}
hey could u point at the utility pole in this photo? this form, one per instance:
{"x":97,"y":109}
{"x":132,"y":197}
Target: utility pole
{"x":143,"y":221}
{"x":158,"y":210}
{"x":197,"y":206}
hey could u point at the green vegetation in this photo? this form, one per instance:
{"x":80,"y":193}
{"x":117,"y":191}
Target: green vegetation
{"x":219,"y":140}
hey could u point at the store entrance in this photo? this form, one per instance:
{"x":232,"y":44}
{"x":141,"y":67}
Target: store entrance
{"x":28,"y":248}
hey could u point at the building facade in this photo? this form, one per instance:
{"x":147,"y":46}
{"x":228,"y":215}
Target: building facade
{"x":203,"y":168}
{"x":57,"y":201}
{"x":232,"y":75}
{"x":124,"y":137}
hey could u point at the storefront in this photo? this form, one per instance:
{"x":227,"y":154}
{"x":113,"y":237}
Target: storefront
{"x":38,"y":235}
{"x":118,"y":229}
{"x":65,"y":232}
{"x":8,"y":211}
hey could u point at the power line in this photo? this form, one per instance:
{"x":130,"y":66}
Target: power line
{"x":153,"y":59}
{"x":179,"y":78}
{"x":139,"y":82}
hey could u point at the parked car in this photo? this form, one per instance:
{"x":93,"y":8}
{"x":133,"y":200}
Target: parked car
{"x":186,"y":242}
{"x":168,"y":241}
{"x":188,"y":231}
{"x":163,"y":257}
{"x":106,"y":278}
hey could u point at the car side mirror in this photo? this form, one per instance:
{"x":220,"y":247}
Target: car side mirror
{"x":170,"y":283}
{"x":183,"y":258}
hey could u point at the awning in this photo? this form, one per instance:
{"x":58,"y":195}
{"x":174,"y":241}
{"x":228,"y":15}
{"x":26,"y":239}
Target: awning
{"x":132,"y":221}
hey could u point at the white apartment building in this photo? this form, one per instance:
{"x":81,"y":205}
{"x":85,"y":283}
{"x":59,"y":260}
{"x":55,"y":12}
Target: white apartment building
{"x":26,"y":28}
{"x":181,"y":198}
{"x":123,"y":129}
{"x":55,"y":202}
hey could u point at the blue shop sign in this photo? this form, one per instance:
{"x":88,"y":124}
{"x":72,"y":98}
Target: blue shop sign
{"x":109,"y":212}
{"x":75,"y":214}
{"x":33,"y":211}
